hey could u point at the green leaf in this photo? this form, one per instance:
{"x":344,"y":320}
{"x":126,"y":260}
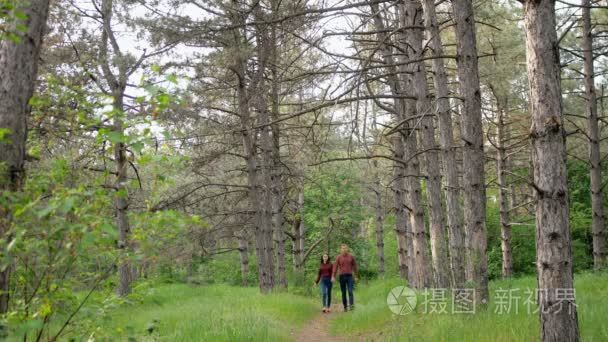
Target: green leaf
{"x":138,"y":146}
{"x":109,"y":229}
{"x":68,"y":204}
{"x":163,"y":100}
{"x":116,"y":137}
{"x":4,"y":133}
{"x":172,"y":78}
{"x":20,"y":15}
{"x":46,"y":211}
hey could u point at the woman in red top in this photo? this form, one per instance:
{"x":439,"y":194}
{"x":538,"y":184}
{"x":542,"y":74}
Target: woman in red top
{"x":324,"y":276}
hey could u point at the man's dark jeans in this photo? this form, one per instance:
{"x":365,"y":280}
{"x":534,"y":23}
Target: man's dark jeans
{"x":347,"y":282}
{"x":326,"y":291}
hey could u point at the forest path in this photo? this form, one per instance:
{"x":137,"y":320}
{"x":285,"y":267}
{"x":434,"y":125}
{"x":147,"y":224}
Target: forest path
{"x":317,"y":330}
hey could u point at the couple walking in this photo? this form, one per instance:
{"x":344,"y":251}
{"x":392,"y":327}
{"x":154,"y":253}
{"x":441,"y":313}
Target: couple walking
{"x":346,"y":264}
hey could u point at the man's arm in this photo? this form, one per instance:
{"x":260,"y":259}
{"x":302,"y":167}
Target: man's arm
{"x":355,"y":268}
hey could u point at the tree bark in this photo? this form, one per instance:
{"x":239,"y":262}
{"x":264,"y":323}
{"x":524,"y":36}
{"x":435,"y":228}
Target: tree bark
{"x":399,"y":170}
{"x":19,"y":70}
{"x":558,"y":318}
{"x":379,"y":222}
{"x":244,"y":258}
{"x":121,"y":204}
{"x":277,"y":189}
{"x":299,"y":230}
{"x":473,"y":155}
{"x":420,"y":268}
{"x":401,"y":215}
{"x":118,"y":84}
{"x":448,"y":148}
{"x":256,"y":172}
{"x":503,"y":196}
{"x":439,"y":252}
{"x":598,"y":229}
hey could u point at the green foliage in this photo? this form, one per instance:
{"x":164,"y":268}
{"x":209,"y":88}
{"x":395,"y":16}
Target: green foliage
{"x":523,"y":232}
{"x":223,"y":269}
{"x":12,"y":19}
{"x":59,"y":245}
{"x":333,"y":198}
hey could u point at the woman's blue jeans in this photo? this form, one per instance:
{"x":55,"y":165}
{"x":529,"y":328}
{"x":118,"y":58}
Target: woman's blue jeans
{"x":326,"y":284}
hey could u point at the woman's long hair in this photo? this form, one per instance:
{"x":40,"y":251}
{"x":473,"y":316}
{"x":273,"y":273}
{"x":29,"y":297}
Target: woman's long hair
{"x":328,"y":259}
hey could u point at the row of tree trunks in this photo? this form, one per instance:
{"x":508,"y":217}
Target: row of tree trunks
{"x":18,"y":70}
{"x":398,"y":146}
{"x":258,"y":197}
{"x":438,"y":238}
{"x":558,"y":318}
{"x":448,"y":147}
{"x":598,"y":229}
{"x":420,"y":268}
{"x":473,"y":161}
{"x":259,"y":99}
{"x":277,"y":179}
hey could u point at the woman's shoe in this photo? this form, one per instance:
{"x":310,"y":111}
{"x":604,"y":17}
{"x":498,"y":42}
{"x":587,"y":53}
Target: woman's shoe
{"x":328,"y":310}
{"x":324,"y":310}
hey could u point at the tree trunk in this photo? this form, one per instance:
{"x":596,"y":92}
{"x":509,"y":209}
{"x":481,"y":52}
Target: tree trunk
{"x":439,"y":252}
{"x":473,"y":155}
{"x":598,"y":228}
{"x":299,"y":230}
{"x":121,"y":204}
{"x":18,"y":70}
{"x":448,"y":148}
{"x":244,"y":258}
{"x":420,"y":270}
{"x":398,"y":146}
{"x":118,"y":85}
{"x":277,"y":189}
{"x":258,"y":175}
{"x":265,"y":205}
{"x":558,"y":317}
{"x":379,"y":223}
{"x":401,"y":216}
{"x":501,"y":171}
{"x":277,"y":169}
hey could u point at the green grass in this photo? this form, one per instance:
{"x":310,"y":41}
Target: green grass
{"x":207,"y":313}
{"x":182,"y":312}
{"x":373,"y":316}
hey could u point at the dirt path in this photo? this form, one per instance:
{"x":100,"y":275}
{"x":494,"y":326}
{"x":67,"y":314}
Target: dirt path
{"x":317,"y":330}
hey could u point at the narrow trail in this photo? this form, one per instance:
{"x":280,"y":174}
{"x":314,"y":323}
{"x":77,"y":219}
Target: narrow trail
{"x":317,"y":330}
